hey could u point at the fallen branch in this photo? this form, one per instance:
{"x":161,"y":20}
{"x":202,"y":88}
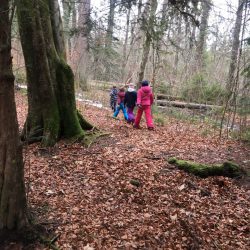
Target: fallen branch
{"x":186,"y":105}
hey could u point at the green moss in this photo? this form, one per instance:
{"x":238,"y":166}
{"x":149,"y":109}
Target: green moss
{"x":172,"y":160}
{"x":66,"y":101}
{"x":92,"y":137}
{"x":51,"y":125}
{"x":228,"y":169}
{"x":135,"y":182}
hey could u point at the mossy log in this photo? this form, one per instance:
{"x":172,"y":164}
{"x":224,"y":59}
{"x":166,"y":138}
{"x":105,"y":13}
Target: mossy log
{"x":227,"y":169}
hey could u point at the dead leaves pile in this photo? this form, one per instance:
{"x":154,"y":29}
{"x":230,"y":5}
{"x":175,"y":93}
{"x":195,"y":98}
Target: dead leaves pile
{"x":85,"y":195}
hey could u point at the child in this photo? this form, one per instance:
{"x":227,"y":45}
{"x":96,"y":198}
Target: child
{"x":130,"y":102}
{"x":113,"y":98}
{"x":120,"y":102}
{"x":144,"y":101}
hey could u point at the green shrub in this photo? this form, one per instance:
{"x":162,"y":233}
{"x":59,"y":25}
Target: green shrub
{"x":198,"y":89}
{"x":244,"y":105}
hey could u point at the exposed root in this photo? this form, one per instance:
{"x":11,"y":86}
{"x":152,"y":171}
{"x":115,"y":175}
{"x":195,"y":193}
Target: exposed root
{"x":92,"y":137}
{"x":84,"y":123}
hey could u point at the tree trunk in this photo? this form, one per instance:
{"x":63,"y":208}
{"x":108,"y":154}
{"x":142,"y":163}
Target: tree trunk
{"x":67,"y":9}
{"x":201,"y":44}
{"x":57,"y":28}
{"x":235,"y":45}
{"x":109,"y":39}
{"x":124,"y":60}
{"x":110,"y":29}
{"x":147,"y":27}
{"x":52,"y":110}
{"x":82,"y":46}
{"x":12,"y":189}
{"x":73,"y":27}
{"x":192,"y":39}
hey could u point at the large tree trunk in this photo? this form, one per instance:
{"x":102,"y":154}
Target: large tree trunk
{"x":12,"y":190}
{"x":235,"y":45}
{"x":52,"y":110}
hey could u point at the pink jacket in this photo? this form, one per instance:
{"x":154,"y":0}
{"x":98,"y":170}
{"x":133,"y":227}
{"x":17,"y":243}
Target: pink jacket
{"x":145,"y":96}
{"x":121,"y":97}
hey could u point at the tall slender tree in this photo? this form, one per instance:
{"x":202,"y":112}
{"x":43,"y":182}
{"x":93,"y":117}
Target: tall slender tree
{"x":111,"y":23}
{"x":235,"y":44}
{"x":12,"y":190}
{"x":201,"y":43}
{"x":82,"y":43}
{"x":147,"y":26}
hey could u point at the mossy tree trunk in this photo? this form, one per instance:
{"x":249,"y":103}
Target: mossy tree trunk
{"x":52,"y":110}
{"x":12,"y":189}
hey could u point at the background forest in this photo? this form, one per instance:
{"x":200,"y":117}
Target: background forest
{"x":192,"y":51}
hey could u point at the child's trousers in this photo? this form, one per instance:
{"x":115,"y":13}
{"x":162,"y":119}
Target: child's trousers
{"x":149,"y":119}
{"x":113,"y":105}
{"x":121,"y":107}
{"x":131,"y":116}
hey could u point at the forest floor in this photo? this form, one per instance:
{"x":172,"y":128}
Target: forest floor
{"x":85,"y":198}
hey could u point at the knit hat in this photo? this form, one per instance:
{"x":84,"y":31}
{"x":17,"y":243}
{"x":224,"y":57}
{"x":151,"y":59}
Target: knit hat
{"x":144,"y":83}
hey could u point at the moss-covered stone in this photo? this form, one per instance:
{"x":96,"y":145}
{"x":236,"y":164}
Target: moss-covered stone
{"x":227,"y":169}
{"x":135,"y":182}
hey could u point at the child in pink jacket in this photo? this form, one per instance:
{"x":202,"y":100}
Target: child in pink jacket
{"x":144,"y":101}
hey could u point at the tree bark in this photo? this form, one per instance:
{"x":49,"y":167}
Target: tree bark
{"x":82,"y":46}
{"x":201,"y":44}
{"x":147,"y":27}
{"x":52,"y":110}
{"x":235,"y":45}
{"x":12,"y":189}
{"x":110,"y":29}
{"x":67,"y":11}
{"x":124,"y":56}
{"x":57,"y":28}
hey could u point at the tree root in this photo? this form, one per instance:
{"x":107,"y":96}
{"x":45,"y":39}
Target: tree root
{"x":227,"y":169}
{"x":92,"y":136}
{"x":83,"y":122}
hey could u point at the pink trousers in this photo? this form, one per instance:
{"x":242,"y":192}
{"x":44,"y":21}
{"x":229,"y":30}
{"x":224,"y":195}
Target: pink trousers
{"x":148,"y":115}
